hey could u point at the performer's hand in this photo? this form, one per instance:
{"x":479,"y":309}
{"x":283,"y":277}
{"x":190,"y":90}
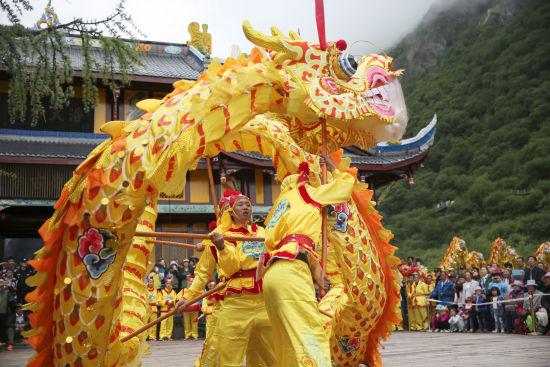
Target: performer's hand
{"x":326,"y":283}
{"x":217,"y":239}
{"x":181,"y":303}
{"x":326,"y":159}
{"x":199,"y":247}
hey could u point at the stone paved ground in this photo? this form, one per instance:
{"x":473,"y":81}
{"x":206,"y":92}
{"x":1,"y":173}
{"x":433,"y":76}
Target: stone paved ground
{"x":403,"y":349}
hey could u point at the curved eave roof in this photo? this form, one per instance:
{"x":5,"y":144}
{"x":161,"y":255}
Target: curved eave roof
{"x":70,"y":148}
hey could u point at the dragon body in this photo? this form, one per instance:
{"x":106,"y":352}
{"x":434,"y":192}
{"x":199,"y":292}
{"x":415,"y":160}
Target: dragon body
{"x":502,"y":253}
{"x":90,"y":271}
{"x":456,"y":255}
{"x":542,"y":254}
{"x":475,"y":260}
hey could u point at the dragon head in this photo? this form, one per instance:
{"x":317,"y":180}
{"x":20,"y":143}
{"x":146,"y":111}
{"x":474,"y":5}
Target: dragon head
{"x":361,"y":97}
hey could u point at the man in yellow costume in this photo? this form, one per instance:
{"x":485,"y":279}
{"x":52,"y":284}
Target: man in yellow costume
{"x":190,"y":316}
{"x":207,"y":264}
{"x":293,"y":239}
{"x":242,"y":317}
{"x":167,"y":302}
{"x":418,"y":314}
{"x":152,"y":298}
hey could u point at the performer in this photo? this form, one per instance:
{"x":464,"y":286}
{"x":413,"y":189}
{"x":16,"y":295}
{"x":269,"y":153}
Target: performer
{"x":419,"y":303}
{"x":413,"y":325}
{"x":153,"y":299}
{"x":204,"y":270}
{"x":167,"y":302}
{"x":242,"y":317}
{"x":190,"y":316}
{"x":293,"y":235}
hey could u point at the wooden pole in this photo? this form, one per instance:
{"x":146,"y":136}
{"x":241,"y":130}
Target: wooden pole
{"x":217,"y":288}
{"x":195,"y":236}
{"x":212,"y":187}
{"x":324,"y":223}
{"x":173,"y":243}
{"x":533,"y":317}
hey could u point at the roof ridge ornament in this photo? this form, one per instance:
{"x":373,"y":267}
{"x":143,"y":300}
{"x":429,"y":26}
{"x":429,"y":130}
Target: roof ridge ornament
{"x":49,"y":18}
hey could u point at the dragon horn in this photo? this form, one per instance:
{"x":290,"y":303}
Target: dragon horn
{"x":294,"y":36}
{"x":273,"y":43}
{"x":276,"y":32}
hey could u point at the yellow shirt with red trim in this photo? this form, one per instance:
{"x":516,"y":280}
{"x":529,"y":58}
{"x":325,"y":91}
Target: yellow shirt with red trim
{"x":203,"y":271}
{"x":167,"y":300}
{"x":238,"y":261}
{"x":295,"y":219}
{"x":419,"y":293}
{"x":153,"y":299}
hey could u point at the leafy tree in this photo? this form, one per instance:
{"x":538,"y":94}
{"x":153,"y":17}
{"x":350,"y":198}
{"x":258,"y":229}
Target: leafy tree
{"x":39,"y":64}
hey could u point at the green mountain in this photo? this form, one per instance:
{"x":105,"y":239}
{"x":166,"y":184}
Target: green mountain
{"x":484,"y":68}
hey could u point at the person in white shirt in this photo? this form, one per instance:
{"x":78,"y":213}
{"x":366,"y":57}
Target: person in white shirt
{"x":469,"y":286}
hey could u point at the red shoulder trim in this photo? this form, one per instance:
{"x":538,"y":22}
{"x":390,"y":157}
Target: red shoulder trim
{"x":305,"y":197}
{"x":239,"y":230}
{"x":214,"y":253}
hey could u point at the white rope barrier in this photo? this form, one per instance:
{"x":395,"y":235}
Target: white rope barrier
{"x":490,"y":303}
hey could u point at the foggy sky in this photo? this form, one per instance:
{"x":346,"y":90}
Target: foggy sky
{"x":383,"y":22}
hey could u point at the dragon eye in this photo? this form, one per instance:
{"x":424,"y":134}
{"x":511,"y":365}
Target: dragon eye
{"x":347,"y":64}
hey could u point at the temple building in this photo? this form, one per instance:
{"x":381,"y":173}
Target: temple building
{"x":35,"y":161}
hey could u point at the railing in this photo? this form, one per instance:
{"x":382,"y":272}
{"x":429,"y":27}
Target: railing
{"x":33,"y":181}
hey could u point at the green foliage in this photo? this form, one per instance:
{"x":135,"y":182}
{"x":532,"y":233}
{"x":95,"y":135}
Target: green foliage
{"x":490,"y":89}
{"x":39,"y":64}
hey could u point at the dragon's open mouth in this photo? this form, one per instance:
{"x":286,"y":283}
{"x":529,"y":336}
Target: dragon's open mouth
{"x":385,"y":95}
{"x":379,"y":99}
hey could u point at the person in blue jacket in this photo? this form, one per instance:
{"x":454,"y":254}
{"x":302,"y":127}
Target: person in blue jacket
{"x":445,"y":290}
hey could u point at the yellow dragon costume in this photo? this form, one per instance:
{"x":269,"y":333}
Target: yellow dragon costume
{"x":89,"y":282}
{"x":502,"y":253}
{"x":456,"y":255}
{"x":542,"y":254}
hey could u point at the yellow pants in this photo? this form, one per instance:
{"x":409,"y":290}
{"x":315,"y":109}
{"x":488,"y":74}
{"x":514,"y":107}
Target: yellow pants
{"x":299,"y":339}
{"x":242,"y":319}
{"x":166,"y":327}
{"x":190,"y":324}
{"x":152,"y":332}
{"x":210,"y":322}
{"x":208,"y":354}
{"x":418,"y":318}
{"x":422,"y":312}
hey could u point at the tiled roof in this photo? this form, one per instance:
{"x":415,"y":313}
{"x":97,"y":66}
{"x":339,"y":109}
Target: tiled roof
{"x":47,"y":144}
{"x":176,"y":66}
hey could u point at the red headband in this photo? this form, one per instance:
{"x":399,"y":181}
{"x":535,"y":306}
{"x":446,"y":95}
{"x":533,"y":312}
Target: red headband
{"x":231,"y":197}
{"x":225,"y":198}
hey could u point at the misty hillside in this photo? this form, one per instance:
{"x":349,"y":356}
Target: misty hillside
{"x":484,"y":68}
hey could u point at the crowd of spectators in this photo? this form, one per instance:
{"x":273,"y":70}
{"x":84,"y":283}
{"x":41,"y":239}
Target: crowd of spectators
{"x":489,"y":299}
{"x":180,"y":271}
{"x":13,"y":289}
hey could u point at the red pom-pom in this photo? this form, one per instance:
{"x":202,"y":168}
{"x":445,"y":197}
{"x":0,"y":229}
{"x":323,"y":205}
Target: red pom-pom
{"x":341,"y":45}
{"x":212,"y":225}
{"x":303,"y":168}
